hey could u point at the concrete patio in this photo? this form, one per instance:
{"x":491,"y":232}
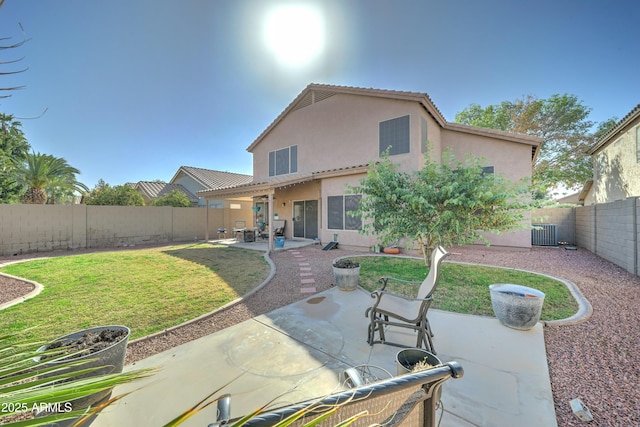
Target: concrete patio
{"x":300,"y":351}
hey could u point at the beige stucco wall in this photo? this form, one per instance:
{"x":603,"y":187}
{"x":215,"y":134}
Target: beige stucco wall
{"x":512,"y":160}
{"x":341,"y":131}
{"x":616,"y":169}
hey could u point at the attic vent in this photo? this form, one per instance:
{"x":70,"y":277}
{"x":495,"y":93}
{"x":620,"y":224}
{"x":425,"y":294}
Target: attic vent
{"x":313,"y":97}
{"x":544,"y":235}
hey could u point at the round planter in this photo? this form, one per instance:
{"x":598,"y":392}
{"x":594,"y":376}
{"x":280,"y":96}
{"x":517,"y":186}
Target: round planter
{"x":516,"y":306}
{"x":346,"y":278}
{"x":279,"y":242}
{"x":407,"y":359}
{"x":111,"y":359}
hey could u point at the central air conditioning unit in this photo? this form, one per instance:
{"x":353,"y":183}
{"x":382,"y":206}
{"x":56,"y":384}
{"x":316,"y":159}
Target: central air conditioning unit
{"x":544,"y":235}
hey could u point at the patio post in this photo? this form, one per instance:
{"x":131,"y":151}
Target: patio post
{"x":270,"y":221}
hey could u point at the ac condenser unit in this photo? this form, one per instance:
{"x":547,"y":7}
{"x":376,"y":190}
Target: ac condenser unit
{"x":544,"y":235}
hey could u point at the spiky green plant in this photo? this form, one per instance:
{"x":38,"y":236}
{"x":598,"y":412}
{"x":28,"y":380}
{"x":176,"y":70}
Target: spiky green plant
{"x":29,"y":382}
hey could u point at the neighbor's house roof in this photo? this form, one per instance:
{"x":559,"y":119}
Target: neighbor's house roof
{"x":314,"y":92}
{"x":154,"y":189}
{"x":619,"y":127}
{"x":212,"y":179}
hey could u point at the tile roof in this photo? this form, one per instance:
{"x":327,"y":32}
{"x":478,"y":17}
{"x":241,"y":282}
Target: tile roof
{"x":632,"y":115}
{"x":155,"y":189}
{"x":213,"y":179}
{"x":281,"y":181}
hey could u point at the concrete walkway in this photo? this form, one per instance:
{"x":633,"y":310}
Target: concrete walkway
{"x":300,"y":351}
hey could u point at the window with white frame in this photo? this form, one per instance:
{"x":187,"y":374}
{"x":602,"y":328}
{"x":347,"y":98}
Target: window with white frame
{"x":283,"y":161}
{"x":338,"y":212}
{"x":394,"y":134}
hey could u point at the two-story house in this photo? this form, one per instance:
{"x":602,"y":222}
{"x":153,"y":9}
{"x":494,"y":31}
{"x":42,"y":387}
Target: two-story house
{"x":326,"y":137}
{"x":616,"y":163}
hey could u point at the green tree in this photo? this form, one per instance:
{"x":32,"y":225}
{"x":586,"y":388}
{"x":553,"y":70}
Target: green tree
{"x":562,"y":123}
{"x":175,"y":198}
{"x":13,"y":148}
{"x":118,"y":195}
{"x":43,"y":176}
{"x":442,"y":204}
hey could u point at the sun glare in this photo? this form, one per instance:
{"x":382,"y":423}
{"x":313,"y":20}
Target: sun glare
{"x":294,"y":34}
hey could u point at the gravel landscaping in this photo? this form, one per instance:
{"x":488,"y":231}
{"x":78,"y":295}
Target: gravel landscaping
{"x":596,"y":360}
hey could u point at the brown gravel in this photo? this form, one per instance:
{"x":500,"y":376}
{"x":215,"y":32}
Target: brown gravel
{"x":597,"y":361}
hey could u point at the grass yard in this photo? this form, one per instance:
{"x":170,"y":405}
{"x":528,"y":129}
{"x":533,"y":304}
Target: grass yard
{"x":464,"y":288}
{"x":147,"y":290}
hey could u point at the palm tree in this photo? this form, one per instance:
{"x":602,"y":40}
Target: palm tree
{"x":45,"y":176}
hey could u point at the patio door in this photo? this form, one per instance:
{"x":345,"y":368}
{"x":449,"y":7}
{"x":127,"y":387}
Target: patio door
{"x":305,"y":219}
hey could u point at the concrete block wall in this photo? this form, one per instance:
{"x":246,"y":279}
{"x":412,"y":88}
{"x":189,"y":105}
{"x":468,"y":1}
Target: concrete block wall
{"x":564,"y":218}
{"x":616,"y":237}
{"x":585,"y":227}
{"x":42,"y":228}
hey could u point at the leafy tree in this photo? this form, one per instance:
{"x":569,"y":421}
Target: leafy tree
{"x":175,"y":198}
{"x":119,"y":195}
{"x":442,"y":204}
{"x":13,"y":147}
{"x":561,"y":121}
{"x":43,"y":176}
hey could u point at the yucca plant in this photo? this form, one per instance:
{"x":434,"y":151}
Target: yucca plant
{"x":30,"y":383}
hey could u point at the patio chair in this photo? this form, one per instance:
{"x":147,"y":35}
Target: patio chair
{"x":278,"y":227}
{"x":401,"y":311}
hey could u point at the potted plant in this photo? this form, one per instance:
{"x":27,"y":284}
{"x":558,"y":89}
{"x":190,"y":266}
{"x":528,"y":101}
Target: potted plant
{"x":103,"y":348}
{"x":38,"y":385}
{"x":346,"y":274}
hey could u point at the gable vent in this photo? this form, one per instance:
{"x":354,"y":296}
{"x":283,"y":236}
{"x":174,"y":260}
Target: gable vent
{"x":312,"y":97}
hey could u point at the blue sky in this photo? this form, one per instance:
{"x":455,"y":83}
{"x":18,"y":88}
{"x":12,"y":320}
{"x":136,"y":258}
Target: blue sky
{"x":134,"y":89}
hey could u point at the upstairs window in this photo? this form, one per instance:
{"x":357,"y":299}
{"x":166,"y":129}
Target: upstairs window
{"x":638,"y":144}
{"x":394,"y":133}
{"x":424,"y":136}
{"x":283,"y":161}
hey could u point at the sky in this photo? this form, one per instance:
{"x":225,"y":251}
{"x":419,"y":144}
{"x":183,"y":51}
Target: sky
{"x":130,"y":90}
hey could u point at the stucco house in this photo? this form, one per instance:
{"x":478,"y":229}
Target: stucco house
{"x":616,"y":163}
{"x":196,"y":179}
{"x":151,"y":190}
{"x":326,"y":137}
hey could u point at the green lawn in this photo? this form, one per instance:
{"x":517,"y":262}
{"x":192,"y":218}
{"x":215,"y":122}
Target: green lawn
{"x":147,"y":290}
{"x":150,"y":290}
{"x":464,"y":288}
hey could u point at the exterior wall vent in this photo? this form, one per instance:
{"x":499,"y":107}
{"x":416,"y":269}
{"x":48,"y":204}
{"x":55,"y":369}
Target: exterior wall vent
{"x":544,"y":235}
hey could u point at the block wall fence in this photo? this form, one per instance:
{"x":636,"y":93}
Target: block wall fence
{"x":41,"y":228}
{"x":610,"y":230}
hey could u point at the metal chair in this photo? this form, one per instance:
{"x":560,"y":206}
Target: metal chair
{"x":392,"y":309}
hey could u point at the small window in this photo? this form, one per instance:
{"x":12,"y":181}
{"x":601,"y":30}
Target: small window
{"x":338,"y":208}
{"x":487,"y":170}
{"x":283,"y":161}
{"x":216,"y":204}
{"x":424,"y":136}
{"x":637,"y":144}
{"x":394,"y":135}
